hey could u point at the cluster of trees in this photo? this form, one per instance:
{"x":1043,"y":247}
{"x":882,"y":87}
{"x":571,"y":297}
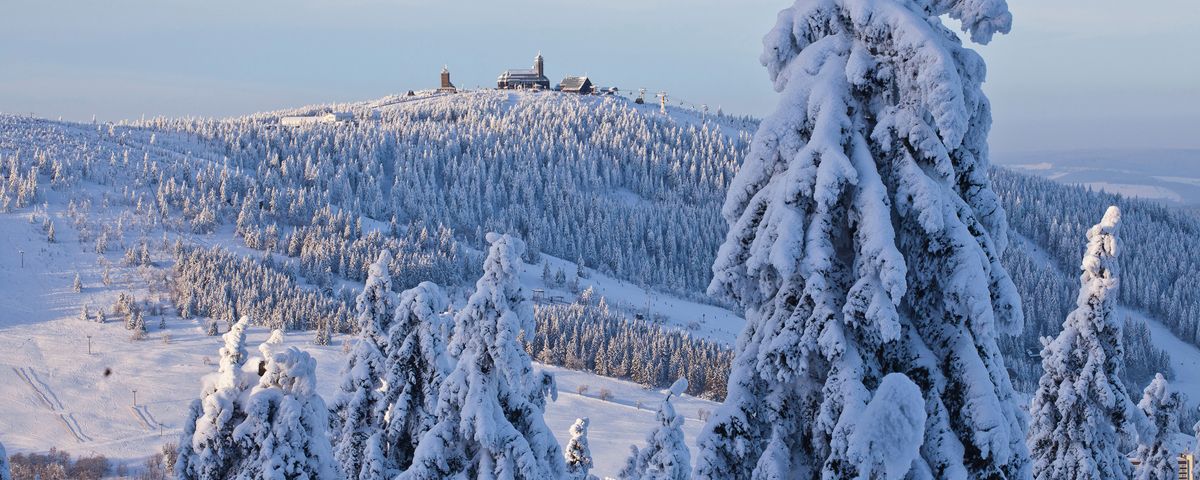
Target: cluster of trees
{"x":415,"y":399}
{"x":272,"y":426}
{"x":585,"y":335}
{"x":595,"y":163}
{"x":18,"y":183}
{"x":556,"y":172}
{"x":334,"y":246}
{"x":418,"y":388}
{"x":53,"y":465}
{"x":213,"y":283}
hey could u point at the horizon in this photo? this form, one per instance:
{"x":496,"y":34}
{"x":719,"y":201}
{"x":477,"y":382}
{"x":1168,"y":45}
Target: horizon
{"x":129,"y":59}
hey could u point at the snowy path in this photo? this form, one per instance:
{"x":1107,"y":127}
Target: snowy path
{"x":43,"y":392}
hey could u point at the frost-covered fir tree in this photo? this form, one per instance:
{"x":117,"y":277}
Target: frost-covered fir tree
{"x":323,"y":335}
{"x":490,"y":407}
{"x":1157,"y":453}
{"x":413,"y":371}
{"x":375,"y":464}
{"x":578,"y":455}
{"x":666,"y":455}
{"x":137,"y":321}
{"x":77,"y":285}
{"x":210,"y":451}
{"x":284,"y":435}
{"x":864,"y":239}
{"x":634,"y":464}
{"x":185,"y":455}
{"x":1081,"y":413}
{"x":357,"y":411}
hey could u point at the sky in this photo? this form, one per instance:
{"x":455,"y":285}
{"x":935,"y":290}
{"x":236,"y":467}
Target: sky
{"x":1072,"y":75}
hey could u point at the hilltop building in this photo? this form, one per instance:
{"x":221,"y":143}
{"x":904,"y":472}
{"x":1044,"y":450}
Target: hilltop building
{"x":580,"y":85}
{"x":446,"y":87}
{"x":525,"y":78}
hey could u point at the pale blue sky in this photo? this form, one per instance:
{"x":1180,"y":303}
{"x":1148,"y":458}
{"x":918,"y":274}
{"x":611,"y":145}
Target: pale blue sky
{"x":1074,"y":74}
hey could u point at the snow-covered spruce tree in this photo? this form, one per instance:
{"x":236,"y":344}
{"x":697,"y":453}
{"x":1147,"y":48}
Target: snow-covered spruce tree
{"x":634,"y":464}
{"x":666,"y":455}
{"x":577,"y":454}
{"x":375,"y":463}
{"x":283,"y":435}
{"x":864,"y":240}
{"x":211,"y":452}
{"x":413,"y":371}
{"x":185,"y":455}
{"x":491,"y":405}
{"x":1161,"y":405}
{"x":1082,"y":415}
{"x":356,"y":412}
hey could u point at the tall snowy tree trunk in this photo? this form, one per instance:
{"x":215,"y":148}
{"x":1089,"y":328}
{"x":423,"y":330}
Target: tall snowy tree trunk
{"x":864,"y":241}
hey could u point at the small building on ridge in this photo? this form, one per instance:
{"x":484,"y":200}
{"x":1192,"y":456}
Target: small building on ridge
{"x":579,"y":85}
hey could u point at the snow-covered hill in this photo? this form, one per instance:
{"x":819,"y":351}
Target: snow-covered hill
{"x":61,"y":395}
{"x":622,"y":188}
